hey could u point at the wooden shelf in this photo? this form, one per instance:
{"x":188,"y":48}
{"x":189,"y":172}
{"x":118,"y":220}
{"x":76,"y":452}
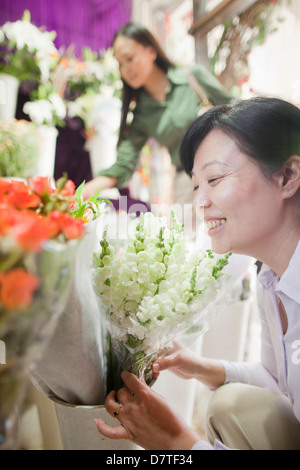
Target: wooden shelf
{"x":225,"y":9}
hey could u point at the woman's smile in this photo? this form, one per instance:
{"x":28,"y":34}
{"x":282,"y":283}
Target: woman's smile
{"x":215,"y":226}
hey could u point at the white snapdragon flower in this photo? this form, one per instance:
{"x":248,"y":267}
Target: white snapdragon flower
{"x":157,"y":288}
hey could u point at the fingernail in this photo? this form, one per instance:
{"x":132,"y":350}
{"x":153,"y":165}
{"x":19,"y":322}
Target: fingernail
{"x":155,"y":367}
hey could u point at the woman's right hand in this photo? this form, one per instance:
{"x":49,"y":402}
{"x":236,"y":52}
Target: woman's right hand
{"x":146,"y":418}
{"x":187,"y":365}
{"x":100,"y":182}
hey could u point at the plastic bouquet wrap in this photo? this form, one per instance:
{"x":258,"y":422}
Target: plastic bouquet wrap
{"x":151,"y":290}
{"x":41,"y":226}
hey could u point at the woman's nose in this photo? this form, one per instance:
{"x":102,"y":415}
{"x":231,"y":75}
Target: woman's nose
{"x":201,"y":202}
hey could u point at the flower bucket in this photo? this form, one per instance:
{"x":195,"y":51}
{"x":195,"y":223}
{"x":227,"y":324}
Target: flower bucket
{"x":9,"y":87}
{"x":46,"y":161}
{"x":78,"y":429}
{"x":102,"y":146}
{"x":102,"y":150}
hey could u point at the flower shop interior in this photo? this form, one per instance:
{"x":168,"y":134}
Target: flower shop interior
{"x":66,"y":89}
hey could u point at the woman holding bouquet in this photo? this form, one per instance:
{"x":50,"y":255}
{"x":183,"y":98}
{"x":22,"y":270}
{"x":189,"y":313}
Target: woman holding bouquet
{"x":163,"y":104}
{"x":245,"y":166}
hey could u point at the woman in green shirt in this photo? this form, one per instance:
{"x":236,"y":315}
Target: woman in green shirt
{"x":165,"y":103}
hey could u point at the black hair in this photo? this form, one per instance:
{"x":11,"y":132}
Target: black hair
{"x":266,"y":129}
{"x":142,"y":35}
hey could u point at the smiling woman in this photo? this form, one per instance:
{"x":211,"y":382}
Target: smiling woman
{"x":244,"y":161}
{"x":233,"y":192}
{"x":245,"y":164}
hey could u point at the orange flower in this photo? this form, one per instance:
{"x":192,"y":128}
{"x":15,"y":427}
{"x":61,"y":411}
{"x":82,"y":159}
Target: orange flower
{"x":69,"y":189}
{"x":80,"y":67}
{"x":66,"y":224}
{"x":41,"y":185}
{"x":4,"y":187}
{"x":54,"y":55}
{"x":73,"y":228}
{"x":18,"y":194}
{"x":6,"y":219}
{"x":17,"y":288}
{"x":65,"y":62}
{"x":30,"y":230}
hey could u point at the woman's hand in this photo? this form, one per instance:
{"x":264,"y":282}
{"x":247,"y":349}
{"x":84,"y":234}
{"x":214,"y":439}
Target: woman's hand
{"x":145,"y":418}
{"x":187,"y":365}
{"x":91,"y":187}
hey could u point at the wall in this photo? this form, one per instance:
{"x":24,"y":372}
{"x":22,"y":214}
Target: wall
{"x":275,"y":66}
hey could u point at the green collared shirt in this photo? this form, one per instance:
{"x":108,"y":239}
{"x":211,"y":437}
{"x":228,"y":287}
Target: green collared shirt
{"x":167,"y":122}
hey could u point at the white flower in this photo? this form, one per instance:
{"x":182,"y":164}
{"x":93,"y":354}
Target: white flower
{"x":157,"y":289}
{"x":59,"y":107}
{"x":46,"y":111}
{"x":23,"y":34}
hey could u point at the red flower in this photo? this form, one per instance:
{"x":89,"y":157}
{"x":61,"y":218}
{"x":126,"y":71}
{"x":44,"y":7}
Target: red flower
{"x":73,"y":228}
{"x":64,"y":223}
{"x":18,"y":194}
{"x":30,"y":230}
{"x":41,"y":185}
{"x":4,"y":187}
{"x":6,"y":218}
{"x":69,"y":189}
{"x":17,"y":288}
{"x":22,"y":198}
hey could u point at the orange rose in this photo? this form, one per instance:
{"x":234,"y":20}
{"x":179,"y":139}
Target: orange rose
{"x":4,"y":187}
{"x":69,"y":189}
{"x":30,"y":230}
{"x":72,"y":228}
{"x":17,"y":288}
{"x":18,"y":194}
{"x":6,"y":218}
{"x":66,"y":224}
{"x":41,"y":185}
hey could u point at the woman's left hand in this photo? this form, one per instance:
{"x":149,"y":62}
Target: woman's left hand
{"x":145,"y":418}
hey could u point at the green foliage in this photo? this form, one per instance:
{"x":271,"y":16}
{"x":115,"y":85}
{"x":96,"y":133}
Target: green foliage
{"x":19,"y":148}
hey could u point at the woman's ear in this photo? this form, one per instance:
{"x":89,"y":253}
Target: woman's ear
{"x":152,"y":52}
{"x":289,"y":176}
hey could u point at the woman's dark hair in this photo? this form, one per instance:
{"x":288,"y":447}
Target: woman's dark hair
{"x":140,"y":34}
{"x":266,"y":129}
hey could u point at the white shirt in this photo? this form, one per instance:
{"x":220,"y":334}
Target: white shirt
{"x":279,"y":369}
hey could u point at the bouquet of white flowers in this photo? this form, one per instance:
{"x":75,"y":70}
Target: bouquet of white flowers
{"x":26,"y":51}
{"x":152,"y":290}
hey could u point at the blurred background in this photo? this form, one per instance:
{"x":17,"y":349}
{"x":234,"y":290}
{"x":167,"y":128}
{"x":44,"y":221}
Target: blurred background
{"x":251,"y":46}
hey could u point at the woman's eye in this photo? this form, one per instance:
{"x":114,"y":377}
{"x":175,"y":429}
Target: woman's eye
{"x":195,"y":188}
{"x":212,"y":180}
